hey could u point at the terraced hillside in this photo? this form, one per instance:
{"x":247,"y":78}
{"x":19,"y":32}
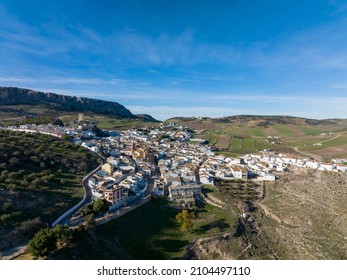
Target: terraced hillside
{"x":323,"y":139}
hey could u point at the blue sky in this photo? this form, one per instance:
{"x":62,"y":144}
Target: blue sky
{"x":182,"y":58}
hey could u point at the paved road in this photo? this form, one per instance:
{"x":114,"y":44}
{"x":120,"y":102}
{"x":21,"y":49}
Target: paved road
{"x":138,"y":201}
{"x":114,"y":214}
{"x":88,"y":197}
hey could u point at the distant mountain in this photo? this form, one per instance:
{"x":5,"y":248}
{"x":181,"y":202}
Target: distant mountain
{"x":20,"y":96}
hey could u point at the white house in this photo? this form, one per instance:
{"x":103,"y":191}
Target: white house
{"x":92,"y":183}
{"x":269,"y":177}
{"x":206,"y":179}
{"x":95,"y":149}
{"x":114,"y":161}
{"x":239,"y":172}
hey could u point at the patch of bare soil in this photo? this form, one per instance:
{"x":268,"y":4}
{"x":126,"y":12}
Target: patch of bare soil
{"x":223,"y":142}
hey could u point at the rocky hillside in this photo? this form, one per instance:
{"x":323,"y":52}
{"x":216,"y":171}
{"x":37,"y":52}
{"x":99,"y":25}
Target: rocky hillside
{"x":302,"y":217}
{"x":19,"y":96}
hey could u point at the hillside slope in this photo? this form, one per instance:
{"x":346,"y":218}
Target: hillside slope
{"x":302,"y":217}
{"x":40,"y":178}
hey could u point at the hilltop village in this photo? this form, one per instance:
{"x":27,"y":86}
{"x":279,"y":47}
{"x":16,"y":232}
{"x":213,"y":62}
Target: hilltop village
{"x":163,"y":161}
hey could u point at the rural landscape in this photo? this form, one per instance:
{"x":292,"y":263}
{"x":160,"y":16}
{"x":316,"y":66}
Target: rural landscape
{"x":161,"y":138}
{"x":324,"y":139}
{"x":298,"y":215}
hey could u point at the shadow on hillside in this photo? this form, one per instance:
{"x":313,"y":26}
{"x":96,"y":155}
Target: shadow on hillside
{"x":172,"y":246}
{"x":220,"y":224}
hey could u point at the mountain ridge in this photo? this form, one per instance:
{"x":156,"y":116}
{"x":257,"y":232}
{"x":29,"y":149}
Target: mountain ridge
{"x":22,"y":96}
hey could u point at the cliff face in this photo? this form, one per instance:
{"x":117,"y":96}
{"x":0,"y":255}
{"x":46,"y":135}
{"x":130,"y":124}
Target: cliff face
{"x":19,"y":96}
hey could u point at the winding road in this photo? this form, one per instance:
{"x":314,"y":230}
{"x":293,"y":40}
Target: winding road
{"x":63,"y":219}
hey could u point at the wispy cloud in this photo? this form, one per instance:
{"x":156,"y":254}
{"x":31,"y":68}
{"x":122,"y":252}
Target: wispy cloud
{"x":316,"y":48}
{"x":86,"y":81}
{"x":167,"y":49}
{"x":307,"y":49}
{"x":4,"y":80}
{"x":61,"y":80}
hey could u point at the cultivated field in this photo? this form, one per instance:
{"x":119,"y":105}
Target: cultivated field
{"x":321,"y":139}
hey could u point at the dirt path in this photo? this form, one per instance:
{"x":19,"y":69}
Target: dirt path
{"x":214,"y":203}
{"x":337,"y":136}
{"x":269,"y":213}
{"x":316,"y":157}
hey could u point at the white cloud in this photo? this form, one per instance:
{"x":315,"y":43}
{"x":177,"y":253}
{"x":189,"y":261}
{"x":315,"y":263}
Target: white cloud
{"x":86,"y":81}
{"x":62,"y":80}
{"x":168,"y":50}
{"x":17,"y":80}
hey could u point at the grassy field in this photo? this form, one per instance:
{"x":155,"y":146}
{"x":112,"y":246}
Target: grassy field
{"x":235,"y":145}
{"x":248,"y":145}
{"x":40,"y":178}
{"x":306,"y":140}
{"x":313,"y":130}
{"x":283,"y":130}
{"x":335,"y":140}
{"x":163,"y":240}
{"x":212,"y":138}
{"x":16,"y":115}
{"x":261,"y":144}
{"x":255,"y":131}
{"x":151,"y":232}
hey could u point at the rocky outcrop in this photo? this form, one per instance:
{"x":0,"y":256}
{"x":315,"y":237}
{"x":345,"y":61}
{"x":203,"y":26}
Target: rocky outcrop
{"x":20,"y":96}
{"x":209,"y":248}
